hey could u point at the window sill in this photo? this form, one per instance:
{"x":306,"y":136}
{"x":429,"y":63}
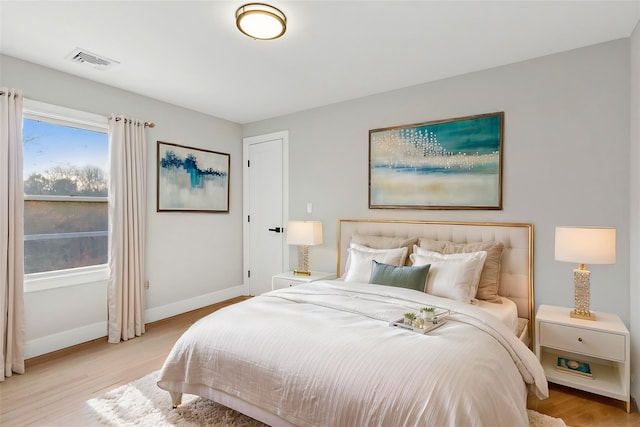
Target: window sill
{"x":36,"y":282}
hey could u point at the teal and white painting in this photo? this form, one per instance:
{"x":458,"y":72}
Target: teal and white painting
{"x":192,"y":179}
{"x":448,"y":164}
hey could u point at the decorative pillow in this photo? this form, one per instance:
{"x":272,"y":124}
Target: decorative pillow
{"x":453,"y":276}
{"x":385,"y":242}
{"x":363,"y":247}
{"x":360,"y":257}
{"x":490,"y":278}
{"x":400,"y":276}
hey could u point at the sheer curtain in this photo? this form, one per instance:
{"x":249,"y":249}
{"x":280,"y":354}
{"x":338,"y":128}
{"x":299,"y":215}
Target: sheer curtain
{"x":127,"y":222}
{"x":11,"y":234}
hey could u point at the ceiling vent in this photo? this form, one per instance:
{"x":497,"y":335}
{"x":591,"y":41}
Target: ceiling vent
{"x":83,"y":56}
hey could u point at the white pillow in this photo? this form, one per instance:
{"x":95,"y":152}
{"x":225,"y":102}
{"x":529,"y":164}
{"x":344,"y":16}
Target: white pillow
{"x":453,"y":276}
{"x":365,"y":248}
{"x":361,"y":258}
{"x":426,"y":252}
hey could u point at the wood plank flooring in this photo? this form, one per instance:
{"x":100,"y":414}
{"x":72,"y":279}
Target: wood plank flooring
{"x":56,"y":386}
{"x":581,"y":409}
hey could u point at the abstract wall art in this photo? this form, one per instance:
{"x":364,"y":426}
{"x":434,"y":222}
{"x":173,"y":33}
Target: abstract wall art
{"x":445,"y":164}
{"x":192,"y":179}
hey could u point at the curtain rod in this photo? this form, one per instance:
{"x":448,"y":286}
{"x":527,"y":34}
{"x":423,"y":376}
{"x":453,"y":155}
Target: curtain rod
{"x":146,"y":124}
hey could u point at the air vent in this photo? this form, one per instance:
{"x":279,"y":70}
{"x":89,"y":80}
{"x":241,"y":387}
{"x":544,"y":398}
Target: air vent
{"x":82,"y":56}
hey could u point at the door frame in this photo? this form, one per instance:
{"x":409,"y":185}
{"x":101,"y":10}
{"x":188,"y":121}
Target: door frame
{"x":246,"y":192}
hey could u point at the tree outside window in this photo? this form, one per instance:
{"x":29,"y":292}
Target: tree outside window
{"x":66,"y":188}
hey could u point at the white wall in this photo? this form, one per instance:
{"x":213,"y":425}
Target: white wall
{"x":566,"y":157}
{"x":193,"y":259}
{"x":634,"y":229}
{"x":567,"y":133}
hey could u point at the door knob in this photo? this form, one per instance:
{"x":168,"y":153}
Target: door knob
{"x":277,"y":229}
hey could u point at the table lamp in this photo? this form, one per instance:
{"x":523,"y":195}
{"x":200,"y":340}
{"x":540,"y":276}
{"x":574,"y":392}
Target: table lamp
{"x":585,"y":245}
{"x":304,"y":234}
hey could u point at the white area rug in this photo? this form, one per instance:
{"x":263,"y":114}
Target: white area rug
{"x":143,"y":403}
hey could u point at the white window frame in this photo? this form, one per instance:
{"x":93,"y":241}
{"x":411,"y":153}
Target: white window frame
{"x":35,"y":110}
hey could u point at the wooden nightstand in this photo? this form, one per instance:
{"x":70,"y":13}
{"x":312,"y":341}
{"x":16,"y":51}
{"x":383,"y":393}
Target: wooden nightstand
{"x":288,"y":279}
{"x":603,"y":343}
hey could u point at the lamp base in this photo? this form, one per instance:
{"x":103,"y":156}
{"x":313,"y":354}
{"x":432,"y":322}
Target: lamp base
{"x":303,"y":261}
{"x":589,"y":316}
{"x":581,"y":282}
{"x":301,"y":273}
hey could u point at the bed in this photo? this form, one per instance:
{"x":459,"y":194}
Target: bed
{"x":326,"y":353}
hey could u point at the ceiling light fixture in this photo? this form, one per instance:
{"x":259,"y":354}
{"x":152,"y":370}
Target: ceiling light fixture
{"x":261,"y":21}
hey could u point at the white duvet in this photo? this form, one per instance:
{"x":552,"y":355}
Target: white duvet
{"x":323,"y":354}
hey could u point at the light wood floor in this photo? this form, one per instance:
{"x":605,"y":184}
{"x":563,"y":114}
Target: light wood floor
{"x":56,"y":386}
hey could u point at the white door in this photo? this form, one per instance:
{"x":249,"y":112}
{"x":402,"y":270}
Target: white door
{"x":265,"y":209}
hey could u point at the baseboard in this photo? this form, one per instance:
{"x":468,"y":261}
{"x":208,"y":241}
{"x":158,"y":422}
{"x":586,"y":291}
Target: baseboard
{"x":71,"y":337}
{"x":183,"y":306}
{"x":64,"y":339}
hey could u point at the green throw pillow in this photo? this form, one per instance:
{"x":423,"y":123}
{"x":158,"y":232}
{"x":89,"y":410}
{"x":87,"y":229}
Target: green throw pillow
{"x":403,"y":276}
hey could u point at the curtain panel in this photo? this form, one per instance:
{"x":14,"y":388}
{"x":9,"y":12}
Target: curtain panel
{"x":127,"y":226}
{"x":11,"y":234}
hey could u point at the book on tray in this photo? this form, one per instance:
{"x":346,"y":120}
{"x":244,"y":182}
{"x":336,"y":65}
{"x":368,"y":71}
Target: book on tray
{"x":574,"y":367}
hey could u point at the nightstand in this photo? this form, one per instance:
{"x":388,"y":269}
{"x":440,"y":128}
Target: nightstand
{"x":603,"y":343}
{"x":288,"y":279}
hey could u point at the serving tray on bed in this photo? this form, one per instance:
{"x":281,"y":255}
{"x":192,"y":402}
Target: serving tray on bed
{"x":429,"y":327}
{"x":439,"y":320}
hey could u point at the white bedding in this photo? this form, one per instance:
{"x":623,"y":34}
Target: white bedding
{"x":507,"y":312}
{"x":322,"y":354}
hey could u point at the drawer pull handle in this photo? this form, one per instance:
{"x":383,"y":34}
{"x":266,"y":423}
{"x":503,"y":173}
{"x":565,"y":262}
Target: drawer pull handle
{"x":579,"y":339}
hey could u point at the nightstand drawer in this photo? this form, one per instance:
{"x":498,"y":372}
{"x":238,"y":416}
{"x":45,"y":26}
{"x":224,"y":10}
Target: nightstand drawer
{"x":279,"y":283}
{"x":603,"y":345}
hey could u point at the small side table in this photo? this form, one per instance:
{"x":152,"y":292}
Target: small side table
{"x":603,"y":343}
{"x":289,"y":279}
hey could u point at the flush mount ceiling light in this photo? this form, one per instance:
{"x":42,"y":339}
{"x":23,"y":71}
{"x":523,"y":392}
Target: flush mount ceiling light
{"x":261,"y":21}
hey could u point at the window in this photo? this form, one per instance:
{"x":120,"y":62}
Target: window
{"x":65,"y":202}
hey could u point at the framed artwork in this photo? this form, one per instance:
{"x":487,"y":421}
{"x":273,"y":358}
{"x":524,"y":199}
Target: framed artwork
{"x":192,"y":179}
{"x":445,"y":164}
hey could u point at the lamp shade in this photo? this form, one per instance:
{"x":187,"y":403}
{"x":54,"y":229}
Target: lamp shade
{"x":586,"y":245}
{"x":304,"y":233}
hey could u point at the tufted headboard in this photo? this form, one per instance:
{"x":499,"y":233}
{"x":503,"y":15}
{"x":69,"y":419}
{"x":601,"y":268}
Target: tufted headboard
{"x":516,"y":267}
